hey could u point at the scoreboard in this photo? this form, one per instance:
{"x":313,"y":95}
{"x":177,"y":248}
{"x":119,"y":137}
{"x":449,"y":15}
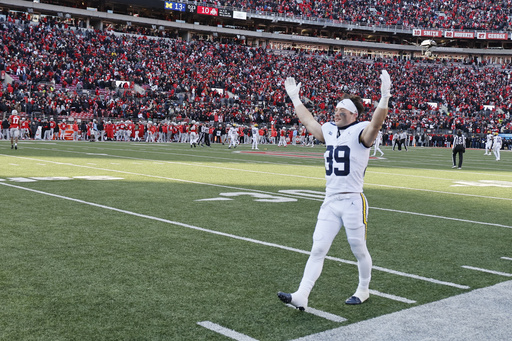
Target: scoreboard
{"x":175,"y":6}
{"x":204,"y":10}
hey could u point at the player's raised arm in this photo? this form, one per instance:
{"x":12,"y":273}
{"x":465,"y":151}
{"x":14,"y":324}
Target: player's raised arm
{"x":303,"y":113}
{"x":379,"y":115}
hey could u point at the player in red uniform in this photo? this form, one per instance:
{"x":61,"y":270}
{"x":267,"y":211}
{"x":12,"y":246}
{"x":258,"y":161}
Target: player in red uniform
{"x":282,"y":137}
{"x":193,"y":134}
{"x":62,"y":129}
{"x":53,"y":124}
{"x":141,"y":130}
{"x":25,"y":132}
{"x":14,"y":128}
{"x":75,"y":131}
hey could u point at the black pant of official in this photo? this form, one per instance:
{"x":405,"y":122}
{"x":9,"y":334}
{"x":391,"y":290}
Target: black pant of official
{"x":204,"y":139}
{"x":458,"y":149}
{"x":402,"y":143}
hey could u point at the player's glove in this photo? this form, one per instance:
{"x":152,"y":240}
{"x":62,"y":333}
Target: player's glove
{"x":293,"y":89}
{"x":385,"y":89}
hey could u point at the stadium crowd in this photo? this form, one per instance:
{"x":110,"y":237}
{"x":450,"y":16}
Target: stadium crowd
{"x":59,"y":71}
{"x":453,"y":14}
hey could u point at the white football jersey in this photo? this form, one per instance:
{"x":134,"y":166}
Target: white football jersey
{"x":345,"y":158}
{"x":378,"y":139}
{"x":497,"y":141}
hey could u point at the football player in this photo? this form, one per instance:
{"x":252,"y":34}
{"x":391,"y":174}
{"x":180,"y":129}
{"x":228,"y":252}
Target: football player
{"x":255,"y":134}
{"x":488,"y":144}
{"x":348,"y":144}
{"x":496,"y":146}
{"x":14,"y":128}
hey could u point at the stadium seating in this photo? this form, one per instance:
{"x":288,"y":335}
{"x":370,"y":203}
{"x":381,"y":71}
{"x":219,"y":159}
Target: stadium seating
{"x":69,"y":71}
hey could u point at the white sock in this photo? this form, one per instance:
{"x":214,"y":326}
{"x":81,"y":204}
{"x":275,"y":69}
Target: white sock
{"x":299,"y":301}
{"x":363,"y":291}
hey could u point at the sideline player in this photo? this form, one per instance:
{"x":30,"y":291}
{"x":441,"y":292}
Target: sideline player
{"x":232,"y":136}
{"x":24,"y":129}
{"x":348,"y":144}
{"x":282,"y":138}
{"x":62,"y":129}
{"x":496,"y":146}
{"x":255,"y":133}
{"x":14,"y":128}
{"x":193,"y":134}
{"x":378,"y":141}
{"x":488,"y":144}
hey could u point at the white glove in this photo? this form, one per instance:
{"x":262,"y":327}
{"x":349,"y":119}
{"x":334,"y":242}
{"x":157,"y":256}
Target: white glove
{"x":385,"y":89}
{"x":293,"y":89}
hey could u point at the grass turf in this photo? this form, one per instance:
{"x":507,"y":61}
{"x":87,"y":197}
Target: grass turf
{"x":174,"y":236}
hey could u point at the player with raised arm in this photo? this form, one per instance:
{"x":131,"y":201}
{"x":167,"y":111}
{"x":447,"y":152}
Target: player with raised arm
{"x":348,"y":144}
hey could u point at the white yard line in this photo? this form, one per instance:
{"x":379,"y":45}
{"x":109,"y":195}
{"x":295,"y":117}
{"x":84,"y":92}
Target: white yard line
{"x":441,"y":217}
{"x":499,"y":273}
{"x":322,"y":314}
{"x":440,"y":192}
{"x":225,"y":331}
{"x":255,"y":241}
{"x":392,"y":297}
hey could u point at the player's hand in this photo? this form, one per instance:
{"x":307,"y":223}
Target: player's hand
{"x":292,"y":89}
{"x":385,"y":87}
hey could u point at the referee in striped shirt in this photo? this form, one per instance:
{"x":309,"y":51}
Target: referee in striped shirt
{"x":459,"y":147}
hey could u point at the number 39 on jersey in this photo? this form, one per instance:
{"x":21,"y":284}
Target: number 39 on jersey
{"x":337,"y":160}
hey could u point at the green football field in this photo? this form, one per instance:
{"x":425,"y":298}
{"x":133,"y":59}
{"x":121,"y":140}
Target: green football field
{"x":136,"y":241}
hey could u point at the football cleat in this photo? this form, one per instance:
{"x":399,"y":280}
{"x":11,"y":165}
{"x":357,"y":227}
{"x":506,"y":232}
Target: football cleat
{"x":287,"y":299}
{"x":359,"y":297}
{"x":354,"y":300}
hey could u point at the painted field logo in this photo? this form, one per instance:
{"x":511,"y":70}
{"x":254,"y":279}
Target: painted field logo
{"x":263,"y":197}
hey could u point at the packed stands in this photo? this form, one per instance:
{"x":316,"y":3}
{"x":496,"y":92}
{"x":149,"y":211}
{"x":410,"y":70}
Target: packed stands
{"x":58,"y":70}
{"x":477,"y":15}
